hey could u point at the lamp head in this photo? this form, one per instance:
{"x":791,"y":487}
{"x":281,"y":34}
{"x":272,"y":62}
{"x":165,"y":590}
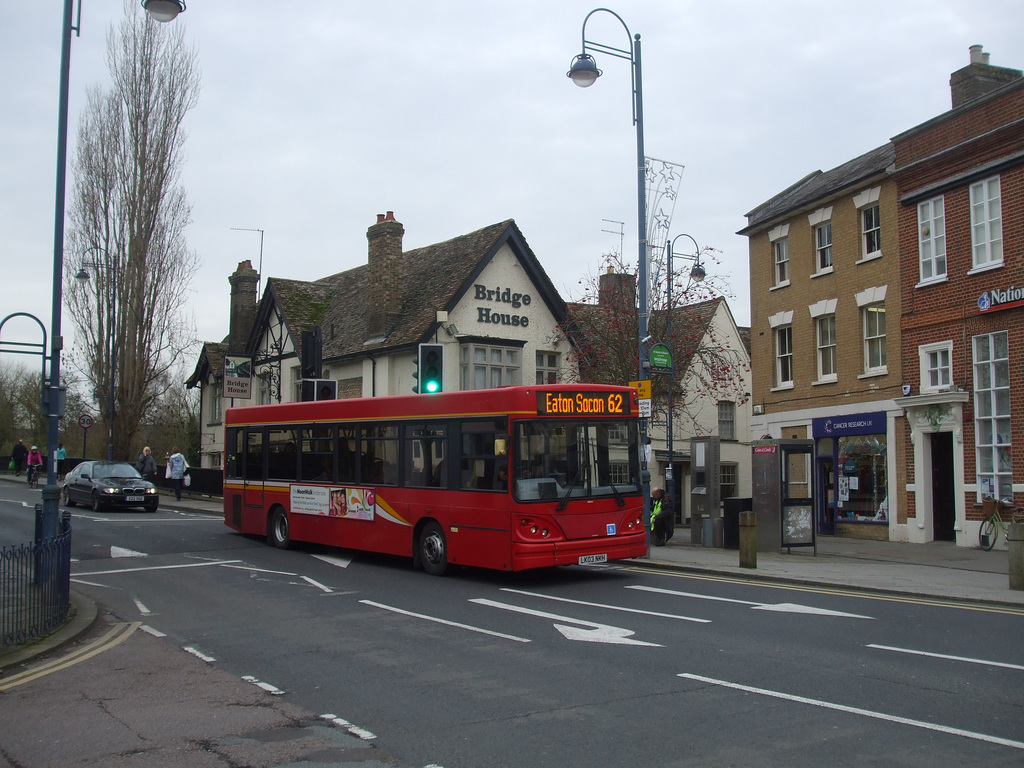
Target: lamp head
{"x":163,"y":10}
{"x":698,"y":272}
{"x":583,"y":71}
{"x":82,"y":276}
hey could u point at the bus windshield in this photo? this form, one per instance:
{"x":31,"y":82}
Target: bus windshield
{"x":569,"y":459}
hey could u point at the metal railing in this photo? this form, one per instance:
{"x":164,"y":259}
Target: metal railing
{"x":35,"y":587}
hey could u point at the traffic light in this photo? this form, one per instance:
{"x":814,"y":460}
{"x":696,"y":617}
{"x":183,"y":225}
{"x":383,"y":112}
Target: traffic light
{"x":431,"y":368}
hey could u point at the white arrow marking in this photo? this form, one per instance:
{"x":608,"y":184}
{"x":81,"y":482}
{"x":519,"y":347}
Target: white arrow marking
{"x":608,"y":607}
{"x":122,"y":552}
{"x":341,"y":562}
{"x":775,"y":607}
{"x":599,"y":633}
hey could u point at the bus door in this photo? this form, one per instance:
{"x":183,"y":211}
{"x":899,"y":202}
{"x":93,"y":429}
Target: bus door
{"x":254,"y":466}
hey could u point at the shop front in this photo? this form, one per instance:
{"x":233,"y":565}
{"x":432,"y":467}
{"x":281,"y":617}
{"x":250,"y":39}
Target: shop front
{"x":852,"y":473}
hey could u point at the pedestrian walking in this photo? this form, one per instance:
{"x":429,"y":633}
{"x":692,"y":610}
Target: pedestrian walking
{"x":19,"y":454}
{"x":35,"y":466}
{"x":662,"y":524}
{"x":62,"y":454}
{"x":146,"y":465}
{"x":176,"y":466}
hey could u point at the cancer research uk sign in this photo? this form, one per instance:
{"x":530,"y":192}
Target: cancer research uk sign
{"x":1001,"y":298}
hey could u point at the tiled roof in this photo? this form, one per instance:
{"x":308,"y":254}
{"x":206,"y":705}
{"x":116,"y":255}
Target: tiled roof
{"x":819,"y":186}
{"x":211,"y":360}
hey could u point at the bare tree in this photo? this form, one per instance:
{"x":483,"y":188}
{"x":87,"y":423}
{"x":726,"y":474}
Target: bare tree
{"x":604,"y":328}
{"x":128,"y":219}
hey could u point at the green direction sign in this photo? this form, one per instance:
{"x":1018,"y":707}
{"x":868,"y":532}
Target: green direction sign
{"x":660,"y":357}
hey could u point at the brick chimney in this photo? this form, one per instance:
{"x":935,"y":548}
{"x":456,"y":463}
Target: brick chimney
{"x":616,"y":291}
{"x":978,"y":78}
{"x":244,"y":284}
{"x":386,"y":274}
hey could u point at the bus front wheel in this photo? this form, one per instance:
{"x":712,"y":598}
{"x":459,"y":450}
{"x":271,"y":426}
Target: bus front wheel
{"x":277,"y":531}
{"x":433,"y":549}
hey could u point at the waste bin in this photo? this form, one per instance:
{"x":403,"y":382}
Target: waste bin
{"x":707,"y":531}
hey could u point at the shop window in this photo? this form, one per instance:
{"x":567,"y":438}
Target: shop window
{"x":863,"y":479}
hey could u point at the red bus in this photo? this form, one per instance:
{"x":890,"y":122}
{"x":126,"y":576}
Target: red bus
{"x":427,"y":476}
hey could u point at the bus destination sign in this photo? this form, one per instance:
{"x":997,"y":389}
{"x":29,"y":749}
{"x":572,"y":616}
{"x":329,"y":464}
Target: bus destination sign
{"x":568,"y":403}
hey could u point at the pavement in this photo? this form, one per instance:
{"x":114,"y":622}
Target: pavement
{"x":103,"y":691}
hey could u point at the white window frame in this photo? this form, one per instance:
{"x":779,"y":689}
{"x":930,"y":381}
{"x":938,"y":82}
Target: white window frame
{"x":874,"y":342}
{"x":931,"y":240}
{"x":784,"y":357}
{"x":992,"y":413}
{"x":936,"y":364}
{"x":865,"y":202}
{"x":871,"y":232}
{"x":726,"y":420}
{"x":826,"y":349}
{"x":986,"y":224}
{"x":821,"y":223}
{"x":547,"y":369}
{"x":500,"y":366}
{"x":781,"y":232}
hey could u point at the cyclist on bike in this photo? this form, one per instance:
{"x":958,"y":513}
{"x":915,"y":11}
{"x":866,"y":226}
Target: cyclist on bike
{"x":34,"y":462}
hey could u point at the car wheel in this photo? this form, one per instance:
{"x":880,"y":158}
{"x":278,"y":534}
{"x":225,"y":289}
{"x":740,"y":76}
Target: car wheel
{"x":96,"y":505}
{"x":433,"y":549}
{"x":277,"y":530}
{"x":152,"y":507}
{"x":67,"y":499}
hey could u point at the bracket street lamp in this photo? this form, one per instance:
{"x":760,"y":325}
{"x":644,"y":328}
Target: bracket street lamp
{"x":697,"y":273}
{"x":584,"y":72}
{"x":83,"y":277}
{"x":163,"y":10}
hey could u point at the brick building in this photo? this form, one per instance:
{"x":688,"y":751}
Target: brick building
{"x":960,"y":181}
{"x":826,"y":363}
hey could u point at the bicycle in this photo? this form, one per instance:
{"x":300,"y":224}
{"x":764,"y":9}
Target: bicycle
{"x":994,"y":525}
{"x":33,"y":475}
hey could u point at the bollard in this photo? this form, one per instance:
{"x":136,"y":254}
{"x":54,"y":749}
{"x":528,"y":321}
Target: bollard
{"x":748,"y":540}
{"x":1015,"y":546}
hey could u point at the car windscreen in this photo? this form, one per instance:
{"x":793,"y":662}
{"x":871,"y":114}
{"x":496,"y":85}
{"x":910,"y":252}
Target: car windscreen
{"x":116,"y":472}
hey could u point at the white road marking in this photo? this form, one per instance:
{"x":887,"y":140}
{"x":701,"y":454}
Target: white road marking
{"x":968,"y":659}
{"x":341,"y":562}
{"x":775,"y":607}
{"x":857,"y":711}
{"x":355,"y":730}
{"x":265,"y":686}
{"x":153,"y":632}
{"x":142,"y":609}
{"x":198,"y":654}
{"x":155,"y":568}
{"x":122,"y":552}
{"x":609,"y":607}
{"x":598,"y":633}
{"x":445,"y":621}
{"x":316,"y":584}
{"x":229,"y":564}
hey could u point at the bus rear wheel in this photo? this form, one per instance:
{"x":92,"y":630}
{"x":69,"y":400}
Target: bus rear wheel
{"x":277,"y":530}
{"x":433,"y":549}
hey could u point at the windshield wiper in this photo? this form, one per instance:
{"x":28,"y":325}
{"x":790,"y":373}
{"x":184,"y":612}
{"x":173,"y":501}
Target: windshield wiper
{"x":618,"y":496}
{"x":568,"y":491}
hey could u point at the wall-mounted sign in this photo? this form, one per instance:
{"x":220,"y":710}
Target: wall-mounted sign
{"x":237,"y":376}
{"x":499,"y":295}
{"x":1001,"y":298}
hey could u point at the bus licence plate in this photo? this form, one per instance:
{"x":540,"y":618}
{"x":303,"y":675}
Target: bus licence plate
{"x":134,"y":498}
{"x":592,"y":559}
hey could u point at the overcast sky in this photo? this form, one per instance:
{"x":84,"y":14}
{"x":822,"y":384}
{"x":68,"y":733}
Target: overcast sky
{"x":317,"y":115}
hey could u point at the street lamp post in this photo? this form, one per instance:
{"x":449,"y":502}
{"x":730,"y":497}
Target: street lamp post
{"x":161,"y":10}
{"x":697,"y":273}
{"x":584,"y":73}
{"x":83,"y":277}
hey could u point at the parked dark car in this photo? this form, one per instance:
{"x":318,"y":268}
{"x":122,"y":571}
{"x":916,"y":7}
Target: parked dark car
{"x":101,"y":484}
